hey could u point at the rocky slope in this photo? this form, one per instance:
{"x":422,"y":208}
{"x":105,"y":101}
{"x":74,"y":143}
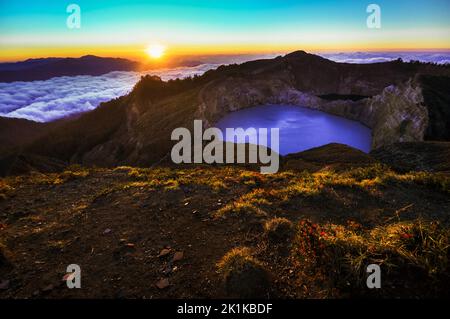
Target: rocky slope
{"x":399,"y":101}
{"x":415,"y":156}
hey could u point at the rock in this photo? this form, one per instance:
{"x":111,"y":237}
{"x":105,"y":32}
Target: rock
{"x":4,"y":285}
{"x":164,"y":252}
{"x":178,"y":256}
{"x":107,"y":231}
{"x":163,"y":283}
{"x":398,"y":114}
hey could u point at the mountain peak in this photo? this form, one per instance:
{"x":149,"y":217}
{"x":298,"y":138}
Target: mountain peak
{"x":298,"y":53}
{"x":90,"y":56}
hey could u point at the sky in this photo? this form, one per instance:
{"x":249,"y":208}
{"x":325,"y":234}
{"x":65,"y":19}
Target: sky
{"x":126,"y":27}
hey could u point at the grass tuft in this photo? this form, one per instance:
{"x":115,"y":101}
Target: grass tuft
{"x":279,"y":230}
{"x":243,"y":275}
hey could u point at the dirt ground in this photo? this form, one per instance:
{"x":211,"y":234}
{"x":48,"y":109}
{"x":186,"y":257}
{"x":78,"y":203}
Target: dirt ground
{"x":116,"y":231}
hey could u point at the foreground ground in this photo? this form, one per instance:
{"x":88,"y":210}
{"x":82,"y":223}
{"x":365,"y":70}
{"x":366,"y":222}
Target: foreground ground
{"x":164,"y":232}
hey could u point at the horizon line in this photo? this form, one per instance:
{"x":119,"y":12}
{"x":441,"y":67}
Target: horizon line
{"x":138,"y":58}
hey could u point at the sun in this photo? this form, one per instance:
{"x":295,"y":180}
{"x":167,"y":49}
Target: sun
{"x":155,"y":50}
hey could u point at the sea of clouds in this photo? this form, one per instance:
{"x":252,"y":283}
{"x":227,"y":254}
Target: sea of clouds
{"x":374,"y":57}
{"x":59,"y":97}
{"x":44,"y":101}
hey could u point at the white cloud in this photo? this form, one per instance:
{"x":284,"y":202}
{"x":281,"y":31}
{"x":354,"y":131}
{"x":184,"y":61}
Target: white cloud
{"x":59,"y":97}
{"x":373,"y":57}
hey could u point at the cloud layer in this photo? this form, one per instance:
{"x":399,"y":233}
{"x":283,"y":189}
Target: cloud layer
{"x":59,"y":97}
{"x":373,"y":57}
{"x":44,"y":101}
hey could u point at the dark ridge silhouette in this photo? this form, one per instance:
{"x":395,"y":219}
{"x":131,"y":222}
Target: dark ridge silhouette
{"x":44,"y":69}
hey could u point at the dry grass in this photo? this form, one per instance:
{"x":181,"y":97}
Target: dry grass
{"x":5,"y":189}
{"x":245,"y":212}
{"x":168,"y":179}
{"x":410,"y":254}
{"x":235,"y":260}
{"x":243,"y":275}
{"x":271,"y":191}
{"x":72,"y":173}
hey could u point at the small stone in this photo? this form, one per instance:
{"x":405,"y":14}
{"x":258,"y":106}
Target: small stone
{"x":164,"y":252}
{"x":130,"y":245}
{"x":178,"y":256}
{"x":4,"y":285}
{"x":107,"y":231}
{"x":163,"y":283}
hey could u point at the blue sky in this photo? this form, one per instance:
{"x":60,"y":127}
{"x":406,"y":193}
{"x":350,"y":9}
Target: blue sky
{"x":37,"y":26}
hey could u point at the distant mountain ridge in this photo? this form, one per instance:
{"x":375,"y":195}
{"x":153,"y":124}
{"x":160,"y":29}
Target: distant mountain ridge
{"x":46,"y":68}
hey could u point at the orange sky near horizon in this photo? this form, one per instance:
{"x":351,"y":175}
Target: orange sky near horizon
{"x":137,"y":52}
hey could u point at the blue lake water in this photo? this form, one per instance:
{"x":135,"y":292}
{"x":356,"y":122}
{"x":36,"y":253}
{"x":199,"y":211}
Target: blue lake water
{"x":299,"y":128}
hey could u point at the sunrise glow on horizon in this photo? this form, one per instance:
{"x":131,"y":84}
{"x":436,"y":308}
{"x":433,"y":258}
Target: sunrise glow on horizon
{"x":126,"y":28}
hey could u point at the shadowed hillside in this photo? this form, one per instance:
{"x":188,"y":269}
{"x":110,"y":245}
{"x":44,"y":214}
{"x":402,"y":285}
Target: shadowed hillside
{"x":436,"y":92}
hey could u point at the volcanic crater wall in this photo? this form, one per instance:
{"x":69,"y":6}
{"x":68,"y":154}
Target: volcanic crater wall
{"x":398,"y":113}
